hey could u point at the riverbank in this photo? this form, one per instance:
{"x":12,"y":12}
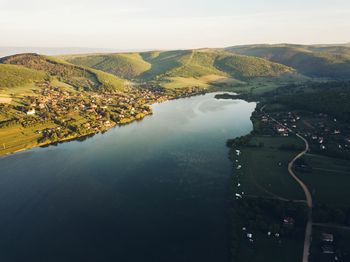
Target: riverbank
{"x":159,"y":181}
{"x":26,"y":139}
{"x":16,"y":137}
{"x":268,"y":211}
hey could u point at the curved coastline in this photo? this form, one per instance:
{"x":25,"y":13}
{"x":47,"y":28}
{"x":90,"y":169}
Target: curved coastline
{"x":175,"y":163}
{"x":76,"y":137}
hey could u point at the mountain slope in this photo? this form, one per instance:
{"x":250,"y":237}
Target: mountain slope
{"x":128,"y":65}
{"x":14,"y":75}
{"x":183,"y":64}
{"x":243,"y":67}
{"x":313,"y":61}
{"x":197,"y":63}
{"x":80,"y":78}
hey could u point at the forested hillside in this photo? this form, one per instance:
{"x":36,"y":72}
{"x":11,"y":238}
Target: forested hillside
{"x":180,"y":63}
{"x":314,"y":61}
{"x":182,"y":68}
{"x":12,"y":75}
{"x":81,"y":78}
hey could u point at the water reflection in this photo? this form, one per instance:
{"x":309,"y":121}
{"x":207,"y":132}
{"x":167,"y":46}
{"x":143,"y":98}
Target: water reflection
{"x":154,"y":190}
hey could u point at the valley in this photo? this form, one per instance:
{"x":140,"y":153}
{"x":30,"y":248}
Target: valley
{"x":47,"y":99}
{"x":302,"y":92}
{"x":317,"y":114}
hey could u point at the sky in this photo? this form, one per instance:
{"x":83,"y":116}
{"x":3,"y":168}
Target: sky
{"x":175,"y":24}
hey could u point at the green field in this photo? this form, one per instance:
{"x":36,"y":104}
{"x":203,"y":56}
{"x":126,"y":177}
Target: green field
{"x":185,"y":68}
{"x":312,"y":60}
{"x":329,"y":180}
{"x":341,"y":244}
{"x":125,"y":65}
{"x":17,"y":138}
{"x":271,"y":249}
{"x":14,"y":76}
{"x":264,"y":169}
{"x":182,"y":82}
{"x":81,"y":78}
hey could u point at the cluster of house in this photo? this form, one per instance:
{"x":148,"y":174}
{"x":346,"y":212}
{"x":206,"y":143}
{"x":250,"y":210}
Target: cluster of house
{"x":327,"y":243}
{"x":282,"y":130}
{"x":288,"y":122}
{"x":238,"y":167}
{"x":60,"y":102}
{"x":287,"y":222}
{"x":82,"y":111}
{"x":328,"y":132}
{"x":325,"y":131}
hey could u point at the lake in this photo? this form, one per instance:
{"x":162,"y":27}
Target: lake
{"x":154,"y":190}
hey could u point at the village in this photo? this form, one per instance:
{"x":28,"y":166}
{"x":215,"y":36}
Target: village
{"x":273,"y":143}
{"x":325,"y":134}
{"x":57,"y":114}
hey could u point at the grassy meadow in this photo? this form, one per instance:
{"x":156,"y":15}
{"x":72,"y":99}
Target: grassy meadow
{"x":204,"y":68}
{"x":263,"y":171}
{"x":329,"y":180}
{"x":312,"y":61}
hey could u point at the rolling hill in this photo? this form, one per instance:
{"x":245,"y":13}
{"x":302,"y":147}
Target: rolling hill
{"x":239,"y":65}
{"x":189,"y":68}
{"x":13,"y":75}
{"x":81,"y":78}
{"x":182,"y":67}
{"x":321,"y":61}
{"x":122,"y":65}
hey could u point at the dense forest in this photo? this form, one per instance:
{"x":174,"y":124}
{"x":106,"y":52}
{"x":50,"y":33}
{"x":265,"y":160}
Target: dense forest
{"x":335,"y":103}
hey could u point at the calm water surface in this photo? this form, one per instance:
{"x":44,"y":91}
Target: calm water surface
{"x":154,"y":190}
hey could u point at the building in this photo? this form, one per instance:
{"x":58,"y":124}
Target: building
{"x":31,"y":112}
{"x":327,"y":237}
{"x":288,"y":221}
{"x":327,"y":250}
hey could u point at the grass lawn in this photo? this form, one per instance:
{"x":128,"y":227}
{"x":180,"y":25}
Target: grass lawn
{"x":16,"y":138}
{"x":252,"y":87}
{"x":261,"y":88}
{"x":341,"y":245}
{"x":14,"y":95}
{"x":183,"y":82}
{"x":214,"y":82}
{"x":271,"y":249}
{"x":264,"y":169}
{"x":329,"y":180}
{"x":5,"y":99}
{"x":20,"y":91}
{"x":63,"y":86}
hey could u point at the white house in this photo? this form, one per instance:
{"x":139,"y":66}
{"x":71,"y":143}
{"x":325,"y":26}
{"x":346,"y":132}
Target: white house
{"x":31,"y":112}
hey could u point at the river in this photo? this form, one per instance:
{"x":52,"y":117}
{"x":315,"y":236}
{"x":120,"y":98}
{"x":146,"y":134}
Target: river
{"x":154,"y":190}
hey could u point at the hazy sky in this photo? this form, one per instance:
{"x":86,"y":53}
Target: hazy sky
{"x":161,"y":24}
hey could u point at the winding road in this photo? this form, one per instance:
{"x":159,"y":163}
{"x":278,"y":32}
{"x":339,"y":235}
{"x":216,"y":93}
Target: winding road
{"x":308,"y":230}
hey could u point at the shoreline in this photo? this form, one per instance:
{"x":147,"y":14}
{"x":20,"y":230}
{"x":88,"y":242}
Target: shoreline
{"x":251,"y":226}
{"x":72,"y":138}
{"x":114,"y":125}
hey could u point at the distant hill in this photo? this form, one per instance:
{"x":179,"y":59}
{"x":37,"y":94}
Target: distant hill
{"x":13,"y":50}
{"x":333,"y":101}
{"x":201,"y":66}
{"x":124,"y":65}
{"x":80,"y":78}
{"x":260,"y":66}
{"x":243,"y":67}
{"x":325,"y":61}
